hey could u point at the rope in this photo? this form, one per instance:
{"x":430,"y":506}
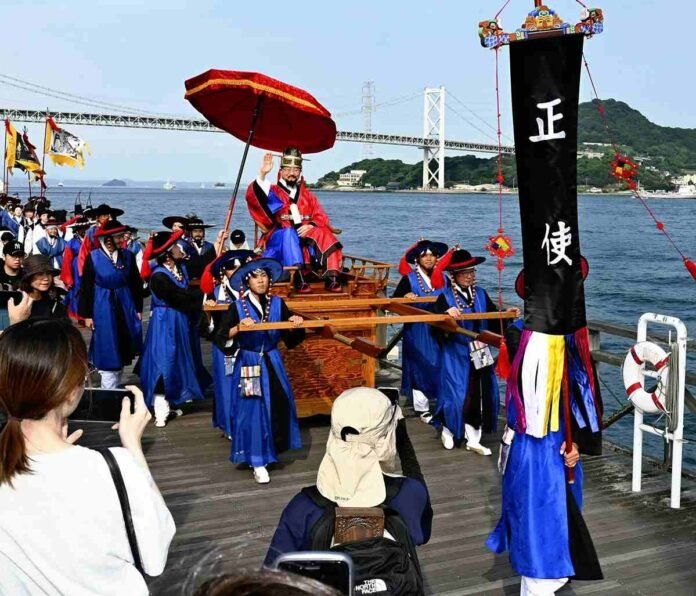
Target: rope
{"x":501,"y":10}
{"x":501,"y":179}
{"x":636,"y":193}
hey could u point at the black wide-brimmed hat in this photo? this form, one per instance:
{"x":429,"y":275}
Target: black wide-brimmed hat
{"x":273,"y":268}
{"x":168,"y":222}
{"x":196,"y":223}
{"x":110,"y":228}
{"x":158,"y":244}
{"x":237,"y":237}
{"x":103,"y":209}
{"x":37,"y":264}
{"x":55,"y":218}
{"x":519,"y":281}
{"x":232,"y":259}
{"x":420,"y":248}
{"x":463,"y":259}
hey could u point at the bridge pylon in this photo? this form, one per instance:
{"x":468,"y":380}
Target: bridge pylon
{"x":434,"y":128}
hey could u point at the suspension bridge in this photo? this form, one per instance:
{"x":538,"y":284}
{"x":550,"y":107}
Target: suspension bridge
{"x":432,"y":143}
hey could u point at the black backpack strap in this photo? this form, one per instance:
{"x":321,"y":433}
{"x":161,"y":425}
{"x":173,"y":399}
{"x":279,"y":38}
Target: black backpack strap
{"x":125,"y":505}
{"x":321,"y":533}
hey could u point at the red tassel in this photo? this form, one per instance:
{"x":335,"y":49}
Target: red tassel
{"x":503,"y":368}
{"x":691,"y":266}
{"x":404,"y":265}
{"x":147,"y":255}
{"x":207,"y":280}
{"x":438,"y":277}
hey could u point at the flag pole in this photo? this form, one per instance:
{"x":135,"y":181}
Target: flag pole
{"x":29,"y":182}
{"x":4,"y":164}
{"x":43,"y":157}
{"x":233,"y":200}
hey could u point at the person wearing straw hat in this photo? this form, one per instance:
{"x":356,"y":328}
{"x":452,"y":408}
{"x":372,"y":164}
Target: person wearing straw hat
{"x":469,"y":396}
{"x":421,"y":350}
{"x":52,"y":245}
{"x":169,"y":368}
{"x":37,"y":282}
{"x":215,"y":283}
{"x":69,"y":274}
{"x":111,"y":303}
{"x":367,"y":435}
{"x":298,"y":232}
{"x":264,"y":420}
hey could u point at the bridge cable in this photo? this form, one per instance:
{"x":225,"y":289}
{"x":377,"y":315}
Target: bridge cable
{"x":483,"y":120}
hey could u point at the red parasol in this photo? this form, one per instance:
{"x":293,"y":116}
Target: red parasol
{"x":261,"y":111}
{"x":288,"y":116}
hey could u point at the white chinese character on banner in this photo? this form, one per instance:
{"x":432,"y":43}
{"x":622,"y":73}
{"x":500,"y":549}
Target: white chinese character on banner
{"x":549,"y":133}
{"x":557,"y":244}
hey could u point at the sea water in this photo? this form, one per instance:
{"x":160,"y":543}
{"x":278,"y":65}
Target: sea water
{"x":633,"y":267}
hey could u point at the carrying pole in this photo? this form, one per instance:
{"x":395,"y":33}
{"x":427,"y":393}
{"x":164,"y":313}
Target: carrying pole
{"x":233,"y":200}
{"x":43,"y":157}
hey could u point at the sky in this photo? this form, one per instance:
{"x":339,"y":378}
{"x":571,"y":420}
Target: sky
{"x":138,"y":53}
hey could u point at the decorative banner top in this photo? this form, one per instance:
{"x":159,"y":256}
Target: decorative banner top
{"x":541,"y":22}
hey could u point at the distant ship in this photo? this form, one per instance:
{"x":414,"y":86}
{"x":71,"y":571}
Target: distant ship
{"x":202,"y":186}
{"x":168,"y":186}
{"x":219,"y":185}
{"x":60,"y":184}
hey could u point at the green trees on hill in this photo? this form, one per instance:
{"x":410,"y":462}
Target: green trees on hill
{"x":663,"y":152}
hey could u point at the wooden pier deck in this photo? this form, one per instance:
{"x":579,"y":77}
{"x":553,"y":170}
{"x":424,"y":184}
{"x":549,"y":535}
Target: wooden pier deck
{"x":225,"y":521}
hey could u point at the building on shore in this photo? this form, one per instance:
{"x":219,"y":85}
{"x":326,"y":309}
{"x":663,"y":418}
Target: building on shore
{"x":351,"y":178}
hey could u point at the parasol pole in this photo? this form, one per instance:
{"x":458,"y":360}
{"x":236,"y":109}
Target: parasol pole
{"x":43,"y":156}
{"x":4,"y":165}
{"x":233,"y":200}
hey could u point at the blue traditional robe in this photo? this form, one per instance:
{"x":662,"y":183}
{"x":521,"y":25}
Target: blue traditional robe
{"x":421,"y":350}
{"x":54,"y":251}
{"x":252,"y":432}
{"x":222,"y":382}
{"x":457,"y":370}
{"x":117,"y":334}
{"x":169,"y":352}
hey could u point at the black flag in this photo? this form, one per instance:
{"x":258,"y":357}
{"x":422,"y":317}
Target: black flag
{"x":545,"y":87}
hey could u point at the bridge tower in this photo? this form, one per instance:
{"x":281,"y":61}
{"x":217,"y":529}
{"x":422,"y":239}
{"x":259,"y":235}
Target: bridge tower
{"x":368,"y":106}
{"x":434,"y":128}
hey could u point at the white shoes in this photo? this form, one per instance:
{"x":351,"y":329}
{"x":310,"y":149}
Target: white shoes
{"x":261,"y":475}
{"x":447,"y":438}
{"x":426,"y":417}
{"x":473,"y":440}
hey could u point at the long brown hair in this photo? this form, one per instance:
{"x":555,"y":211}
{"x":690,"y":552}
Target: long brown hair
{"x":42,"y":362}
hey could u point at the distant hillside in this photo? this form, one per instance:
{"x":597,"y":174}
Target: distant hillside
{"x":664,"y":152}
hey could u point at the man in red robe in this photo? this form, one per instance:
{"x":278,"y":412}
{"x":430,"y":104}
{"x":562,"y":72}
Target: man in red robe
{"x":297,"y":231}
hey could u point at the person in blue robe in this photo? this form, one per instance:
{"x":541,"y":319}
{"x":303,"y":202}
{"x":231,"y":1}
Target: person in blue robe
{"x":199,"y":251}
{"x":469,"y":397}
{"x":111,"y":304}
{"x":12,"y":216}
{"x":223,"y":359}
{"x":52,"y":245}
{"x":420,"y":360}
{"x":264,"y":419}
{"x":541,"y":525}
{"x":131,"y":242}
{"x":169,"y":368}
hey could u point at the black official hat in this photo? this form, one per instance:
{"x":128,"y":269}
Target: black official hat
{"x":237,"y":237}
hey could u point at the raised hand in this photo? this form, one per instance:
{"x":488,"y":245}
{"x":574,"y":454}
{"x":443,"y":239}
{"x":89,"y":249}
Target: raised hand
{"x":266,"y":165}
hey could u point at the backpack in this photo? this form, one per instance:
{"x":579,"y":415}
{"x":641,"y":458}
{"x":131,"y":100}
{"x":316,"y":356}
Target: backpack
{"x":382,"y":566}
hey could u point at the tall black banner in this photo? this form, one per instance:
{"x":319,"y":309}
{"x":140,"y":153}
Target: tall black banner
{"x":545,"y":76}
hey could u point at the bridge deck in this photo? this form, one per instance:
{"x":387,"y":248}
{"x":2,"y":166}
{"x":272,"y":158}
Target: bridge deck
{"x":225,"y":520}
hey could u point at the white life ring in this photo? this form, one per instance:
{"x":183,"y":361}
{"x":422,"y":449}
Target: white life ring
{"x":634,"y":381}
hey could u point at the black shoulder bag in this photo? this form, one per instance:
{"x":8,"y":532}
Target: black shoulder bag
{"x":125,"y":506}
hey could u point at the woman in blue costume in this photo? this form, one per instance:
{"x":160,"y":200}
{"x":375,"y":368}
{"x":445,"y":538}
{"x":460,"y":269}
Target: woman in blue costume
{"x":264,"y":420}
{"x":111,"y":304}
{"x":421,"y":351}
{"x":222,"y":270}
{"x":167,"y":367}
{"x":469,"y":397}
{"x":541,"y":525}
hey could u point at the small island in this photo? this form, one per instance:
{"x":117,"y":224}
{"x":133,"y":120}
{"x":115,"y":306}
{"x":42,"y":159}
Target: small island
{"x":114,"y":182}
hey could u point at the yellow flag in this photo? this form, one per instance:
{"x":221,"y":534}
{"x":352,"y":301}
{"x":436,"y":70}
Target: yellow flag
{"x":10,"y":145}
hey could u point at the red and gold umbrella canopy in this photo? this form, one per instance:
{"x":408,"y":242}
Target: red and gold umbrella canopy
{"x":287,"y":116}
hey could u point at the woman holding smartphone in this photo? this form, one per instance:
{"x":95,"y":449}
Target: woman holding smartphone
{"x":61,"y":525}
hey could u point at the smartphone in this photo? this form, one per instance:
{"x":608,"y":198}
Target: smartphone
{"x":392,"y":393}
{"x":102,"y":405}
{"x":329,"y":568}
{"x":6,"y":295}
